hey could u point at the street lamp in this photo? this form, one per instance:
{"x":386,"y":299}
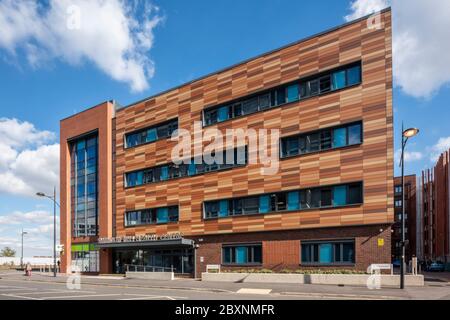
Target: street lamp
{"x":406,"y":134}
{"x":53,"y":198}
{"x":21,"y":256}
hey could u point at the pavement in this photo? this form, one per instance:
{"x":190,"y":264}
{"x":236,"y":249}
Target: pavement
{"x":15,"y":286}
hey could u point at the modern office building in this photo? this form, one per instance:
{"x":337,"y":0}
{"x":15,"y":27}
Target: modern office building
{"x":436,"y":211}
{"x":410,"y":218}
{"x":125,"y":201}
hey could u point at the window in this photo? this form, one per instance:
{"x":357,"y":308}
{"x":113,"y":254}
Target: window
{"x":151,"y":216}
{"x":339,"y":80}
{"x":354,"y":134}
{"x":321,"y":197}
{"x":84,"y":154}
{"x":292,"y":93}
{"x":322,"y":140}
{"x":151,"y":134}
{"x":354,"y":76}
{"x":328,"y":253}
{"x":242,"y":254}
{"x":398,"y":189}
{"x":238,"y":158}
{"x":398,"y":203}
{"x":301,"y":89}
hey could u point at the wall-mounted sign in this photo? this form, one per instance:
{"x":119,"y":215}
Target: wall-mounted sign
{"x":141,"y":238}
{"x":380,"y":242}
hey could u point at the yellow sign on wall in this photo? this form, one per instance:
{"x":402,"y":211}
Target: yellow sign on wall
{"x":380,"y":242}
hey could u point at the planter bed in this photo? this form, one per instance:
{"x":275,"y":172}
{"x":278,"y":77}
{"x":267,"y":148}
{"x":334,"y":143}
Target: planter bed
{"x":330,"y":279}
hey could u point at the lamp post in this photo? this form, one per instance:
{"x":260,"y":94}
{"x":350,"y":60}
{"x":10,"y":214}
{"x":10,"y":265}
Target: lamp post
{"x":53,"y":198}
{"x":406,"y":134}
{"x":21,"y":256}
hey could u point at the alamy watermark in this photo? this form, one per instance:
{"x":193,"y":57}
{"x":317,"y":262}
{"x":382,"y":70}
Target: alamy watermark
{"x":210,"y":145}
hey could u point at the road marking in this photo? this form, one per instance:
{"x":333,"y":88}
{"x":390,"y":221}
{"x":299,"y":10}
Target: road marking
{"x":145,"y":298}
{"x":19,"y":297}
{"x":253,"y":291}
{"x":17,"y":289}
{"x":55,"y":291}
{"x":151,"y":297}
{"x":340,"y":296}
{"x":84,"y":296}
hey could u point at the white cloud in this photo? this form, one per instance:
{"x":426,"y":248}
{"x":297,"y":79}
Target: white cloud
{"x":27,"y":164}
{"x":365,"y":7}
{"x":114,"y":35}
{"x":420,"y":42}
{"x":14,"y":133}
{"x":33,"y":217}
{"x":441,"y":146}
{"x":410,"y":156}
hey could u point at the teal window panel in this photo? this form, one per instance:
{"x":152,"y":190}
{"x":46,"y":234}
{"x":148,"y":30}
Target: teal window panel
{"x":164,"y":173}
{"x":223,"y":208}
{"x":340,"y":196}
{"x":139,"y":178}
{"x":354,"y":75}
{"x":293,"y":201}
{"x":241,"y":255}
{"x":326,"y":253}
{"x":354,"y":134}
{"x":264,"y":204}
{"x":340,"y":137}
{"x":292,"y":93}
{"x":192,"y":168}
{"x":339,"y":80}
{"x":151,"y":135}
{"x":223,"y":113}
{"x":162,"y":215}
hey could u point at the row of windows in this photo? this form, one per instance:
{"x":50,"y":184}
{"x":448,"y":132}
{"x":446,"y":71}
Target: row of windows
{"x":237,"y":157}
{"x":151,"y":134}
{"x":332,"y":81}
{"x":328,"y":253}
{"x":322,"y":140}
{"x":314,"y":198}
{"x":323,"y":253}
{"x":84,"y":193}
{"x":151,"y":216}
{"x":328,"y":82}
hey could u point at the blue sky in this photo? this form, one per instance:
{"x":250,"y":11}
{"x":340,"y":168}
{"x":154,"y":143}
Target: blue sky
{"x":41,"y":84}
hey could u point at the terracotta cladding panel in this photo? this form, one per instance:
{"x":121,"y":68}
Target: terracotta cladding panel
{"x":371,"y":162}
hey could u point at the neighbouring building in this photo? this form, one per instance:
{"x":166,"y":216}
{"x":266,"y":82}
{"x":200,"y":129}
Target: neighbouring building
{"x":410,"y":218}
{"x":435,"y":212}
{"x":330,"y":205}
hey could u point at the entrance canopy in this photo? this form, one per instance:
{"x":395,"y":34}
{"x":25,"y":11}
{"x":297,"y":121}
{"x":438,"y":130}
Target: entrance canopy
{"x":168,"y":243}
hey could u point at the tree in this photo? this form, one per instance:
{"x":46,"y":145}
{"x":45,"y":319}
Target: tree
{"x":7,"y":252}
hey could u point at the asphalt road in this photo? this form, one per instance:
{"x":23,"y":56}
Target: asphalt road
{"x":31,"y":290}
{"x":14,"y":286}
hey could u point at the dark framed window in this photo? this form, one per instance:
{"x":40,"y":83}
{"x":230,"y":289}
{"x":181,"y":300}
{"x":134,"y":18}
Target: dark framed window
{"x":295,"y":200}
{"x":323,"y":83}
{"x":322,"y":140}
{"x":328,"y":252}
{"x":151,"y":216}
{"x":238,"y":158}
{"x":151,"y":134}
{"x":242,"y":254}
{"x":84,"y":185}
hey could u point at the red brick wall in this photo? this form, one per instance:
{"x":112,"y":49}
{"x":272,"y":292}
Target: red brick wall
{"x":281,"y":249}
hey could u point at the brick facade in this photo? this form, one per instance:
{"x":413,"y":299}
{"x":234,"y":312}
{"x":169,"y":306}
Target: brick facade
{"x":281,"y":250}
{"x":368,"y":163}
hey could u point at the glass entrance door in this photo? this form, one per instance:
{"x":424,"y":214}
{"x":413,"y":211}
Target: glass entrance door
{"x":181,"y":260}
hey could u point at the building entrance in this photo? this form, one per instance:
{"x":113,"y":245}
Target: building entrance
{"x":181,"y":260}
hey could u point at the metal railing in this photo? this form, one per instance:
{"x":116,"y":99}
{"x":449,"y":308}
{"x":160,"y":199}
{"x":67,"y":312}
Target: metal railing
{"x":141,"y":268}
